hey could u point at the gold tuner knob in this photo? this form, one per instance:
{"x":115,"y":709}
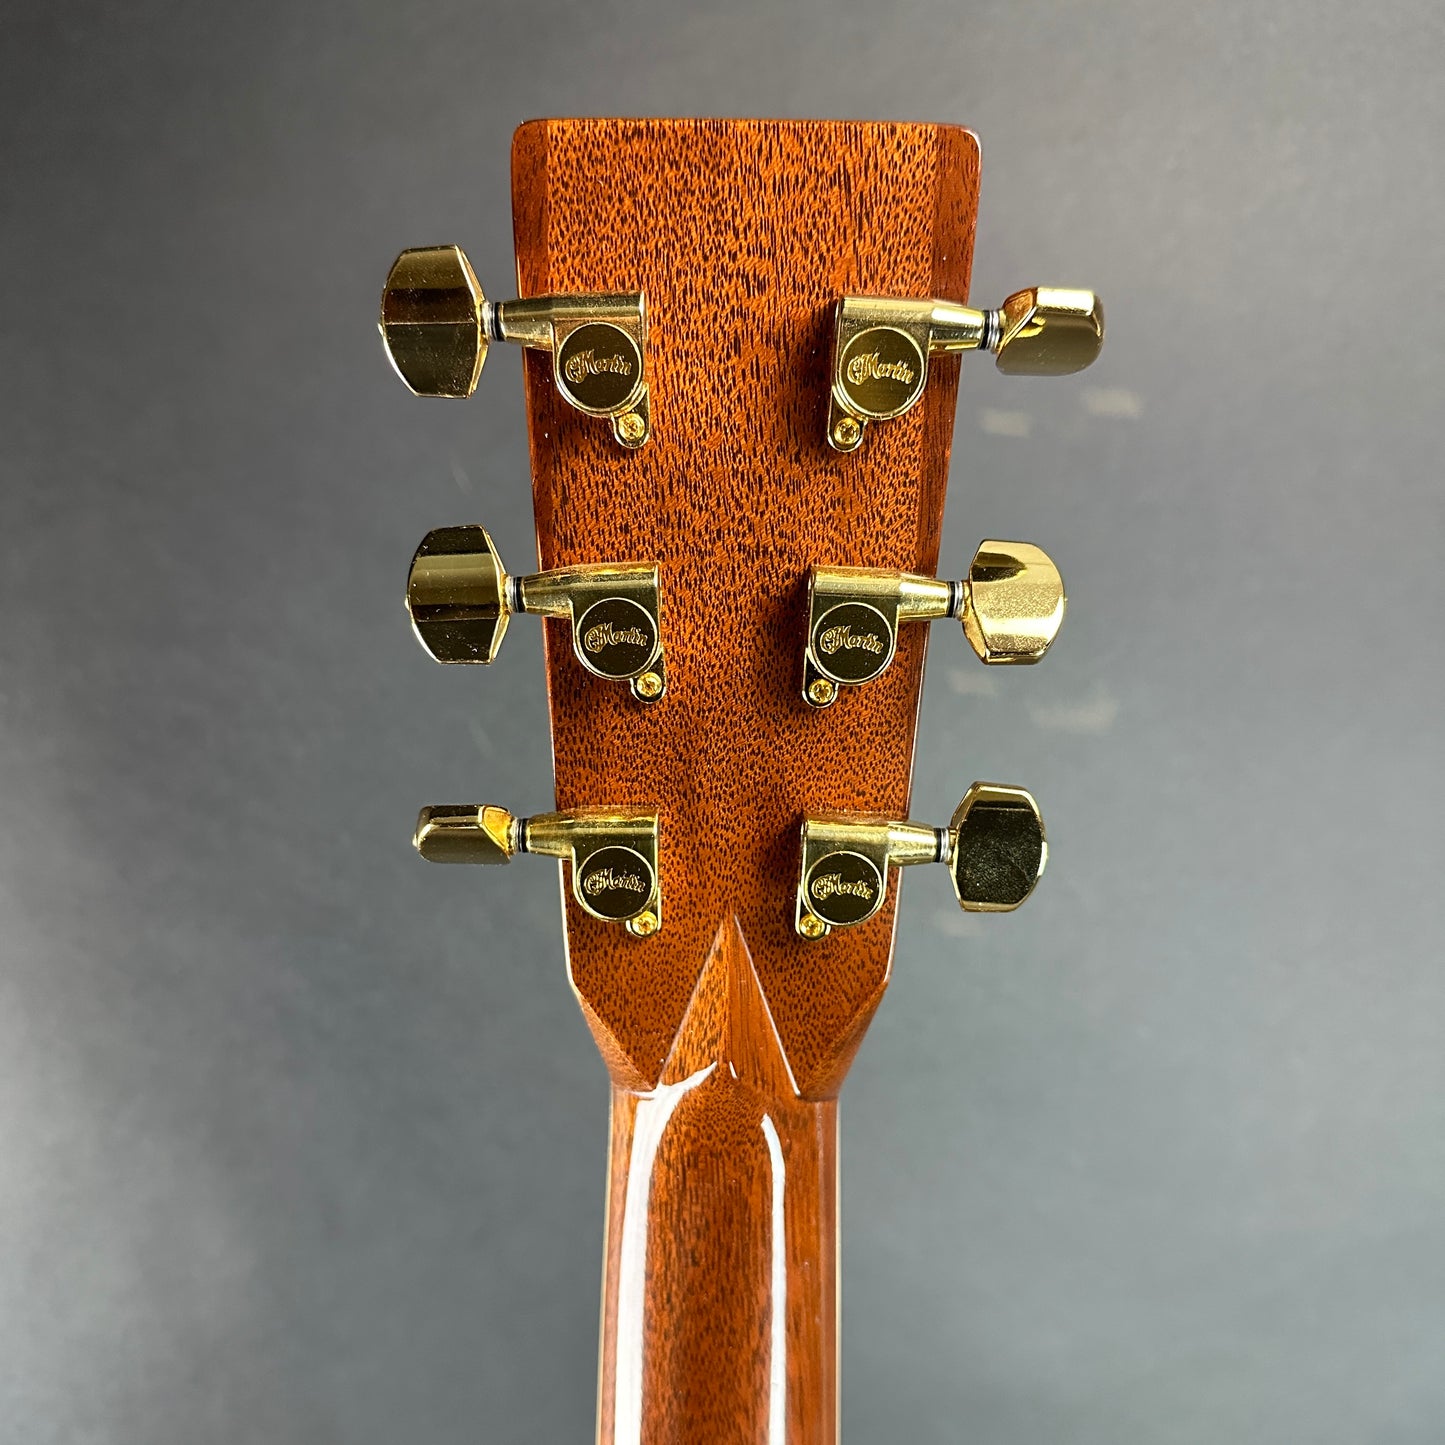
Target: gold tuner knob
{"x":1011,"y":605}
{"x":1049,"y":331}
{"x":460,"y":598}
{"x":881,"y":347}
{"x":994,"y":847}
{"x":437,"y":324}
{"x":431,"y":321}
{"x":612,"y":855}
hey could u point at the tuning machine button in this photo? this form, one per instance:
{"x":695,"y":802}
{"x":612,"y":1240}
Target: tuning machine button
{"x":437,"y":324}
{"x":1011,"y":605}
{"x":460,"y":600}
{"x":881,"y":347}
{"x":612,"y":854}
{"x":994,"y":848}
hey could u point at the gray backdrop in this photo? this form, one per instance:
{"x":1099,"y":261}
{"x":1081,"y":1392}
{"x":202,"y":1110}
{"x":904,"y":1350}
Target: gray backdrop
{"x":302,"y":1141}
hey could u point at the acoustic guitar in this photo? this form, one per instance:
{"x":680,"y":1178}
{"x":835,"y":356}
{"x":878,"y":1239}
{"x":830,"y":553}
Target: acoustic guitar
{"x":743,"y":352}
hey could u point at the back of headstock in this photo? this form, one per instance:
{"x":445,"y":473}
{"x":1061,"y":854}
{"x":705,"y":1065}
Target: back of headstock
{"x":742,"y":236}
{"x":732,"y":548}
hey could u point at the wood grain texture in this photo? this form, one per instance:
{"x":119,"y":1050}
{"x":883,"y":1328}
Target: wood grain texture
{"x":720,"y":1292}
{"x":727,"y":1036}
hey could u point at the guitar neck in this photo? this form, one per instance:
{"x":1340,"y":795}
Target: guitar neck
{"x":720,"y":1292}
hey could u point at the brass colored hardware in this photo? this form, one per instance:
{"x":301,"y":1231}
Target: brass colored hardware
{"x":1011,"y":605}
{"x":437,"y":325}
{"x":460,"y":600}
{"x":612,"y":854}
{"x":881,"y":347}
{"x":811,"y":927}
{"x":999,"y":849}
{"x":994,"y":847}
{"x":464,"y":834}
{"x":632,"y":428}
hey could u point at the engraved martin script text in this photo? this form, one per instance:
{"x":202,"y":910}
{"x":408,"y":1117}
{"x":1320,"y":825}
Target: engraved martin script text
{"x":831,"y":883}
{"x":586,"y":363}
{"x":606,"y":879}
{"x":868,"y":367}
{"x":606,"y":635}
{"x":843,"y":639}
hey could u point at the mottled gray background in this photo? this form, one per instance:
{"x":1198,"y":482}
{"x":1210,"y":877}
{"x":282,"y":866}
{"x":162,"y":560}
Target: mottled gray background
{"x":301,"y":1141}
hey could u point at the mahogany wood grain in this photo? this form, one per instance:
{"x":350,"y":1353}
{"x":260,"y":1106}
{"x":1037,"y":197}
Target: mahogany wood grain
{"x":726,"y":1035}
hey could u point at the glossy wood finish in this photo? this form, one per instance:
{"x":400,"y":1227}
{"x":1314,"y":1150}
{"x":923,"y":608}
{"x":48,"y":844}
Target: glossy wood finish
{"x":720,"y":1304}
{"x":727,"y":1036}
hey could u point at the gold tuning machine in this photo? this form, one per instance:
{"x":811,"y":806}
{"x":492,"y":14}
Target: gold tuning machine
{"x":994,"y":848}
{"x":460,"y":599}
{"x":1011,"y":605}
{"x":612,"y":854}
{"x":437,"y":325}
{"x":881,"y":347}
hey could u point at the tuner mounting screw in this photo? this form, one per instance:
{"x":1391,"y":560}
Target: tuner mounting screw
{"x":811,"y":927}
{"x":644,"y":925}
{"x":847,"y":433}
{"x":649,"y":685}
{"x":631,"y":429}
{"x":821,"y":691}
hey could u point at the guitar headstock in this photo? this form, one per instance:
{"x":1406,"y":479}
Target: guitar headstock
{"x":715,"y":314}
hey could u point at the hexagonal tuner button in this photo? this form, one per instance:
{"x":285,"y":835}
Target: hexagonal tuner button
{"x":994,"y":847}
{"x":881,"y":347}
{"x":437,"y":324}
{"x":1011,"y":605}
{"x":611,"y":854}
{"x":460,"y":599}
